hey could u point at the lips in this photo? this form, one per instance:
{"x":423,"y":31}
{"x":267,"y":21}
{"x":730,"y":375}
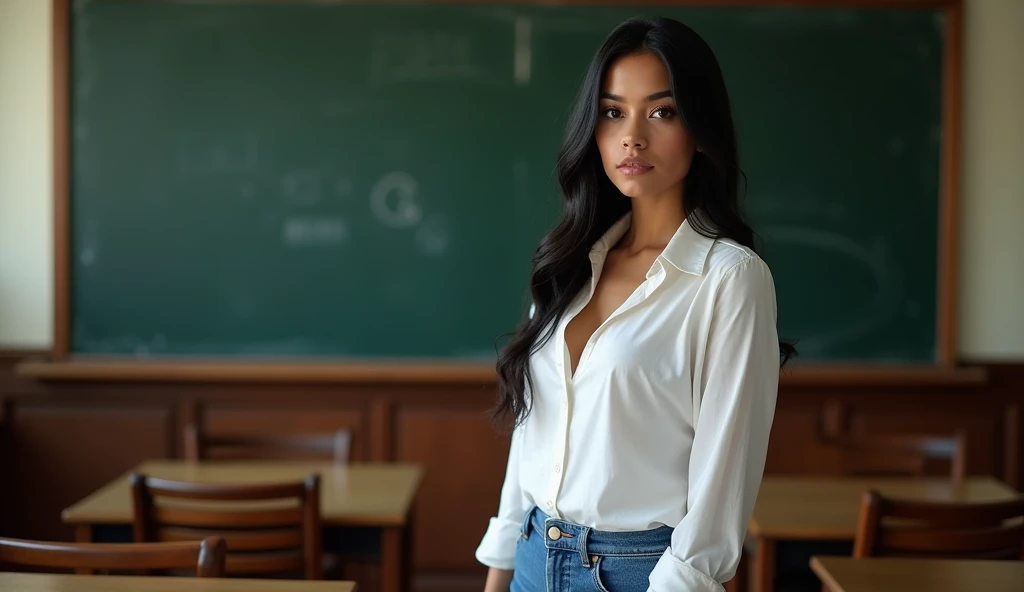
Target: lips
{"x":632,"y":165}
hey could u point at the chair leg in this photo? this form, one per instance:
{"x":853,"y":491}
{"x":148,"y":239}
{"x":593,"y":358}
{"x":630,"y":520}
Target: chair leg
{"x":83,"y":534}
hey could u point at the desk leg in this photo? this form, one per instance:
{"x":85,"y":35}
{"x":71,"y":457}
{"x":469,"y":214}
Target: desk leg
{"x":392,"y":560}
{"x":407,"y":553}
{"x":83,"y":534}
{"x":764,"y":566}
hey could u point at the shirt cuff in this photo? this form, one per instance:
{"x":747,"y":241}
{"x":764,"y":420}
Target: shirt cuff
{"x":498,"y":547}
{"x":672,"y":574}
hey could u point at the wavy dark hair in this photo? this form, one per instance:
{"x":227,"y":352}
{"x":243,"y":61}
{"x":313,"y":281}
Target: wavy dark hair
{"x":592,"y":203}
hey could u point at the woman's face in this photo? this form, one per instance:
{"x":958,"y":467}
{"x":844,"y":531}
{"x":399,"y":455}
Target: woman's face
{"x":645,"y":149}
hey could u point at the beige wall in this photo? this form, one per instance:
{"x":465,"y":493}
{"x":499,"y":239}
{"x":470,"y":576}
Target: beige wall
{"x":991,"y":287}
{"x":26,"y":277}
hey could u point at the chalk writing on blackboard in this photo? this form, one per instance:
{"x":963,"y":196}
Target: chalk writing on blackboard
{"x":89,"y":243}
{"x":433,"y":236}
{"x":887,"y":294}
{"x":311,"y":231}
{"x":397,"y":57}
{"x":523,"y":55}
{"x":393,"y":200}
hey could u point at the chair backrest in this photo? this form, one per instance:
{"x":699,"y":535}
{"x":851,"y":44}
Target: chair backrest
{"x":906,"y":455}
{"x":268,"y":528}
{"x":206,"y":556}
{"x":334,"y":446}
{"x":941,"y":530}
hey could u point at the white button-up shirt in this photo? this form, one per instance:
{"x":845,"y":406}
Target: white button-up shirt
{"x":666,"y":419}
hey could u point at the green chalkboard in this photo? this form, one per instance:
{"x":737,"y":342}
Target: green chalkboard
{"x":369,"y":180}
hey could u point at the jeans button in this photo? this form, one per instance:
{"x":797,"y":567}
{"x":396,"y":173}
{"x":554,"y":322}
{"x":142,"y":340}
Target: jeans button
{"x":554,"y":534}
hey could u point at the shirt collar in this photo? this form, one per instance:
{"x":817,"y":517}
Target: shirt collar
{"x":687,"y":250}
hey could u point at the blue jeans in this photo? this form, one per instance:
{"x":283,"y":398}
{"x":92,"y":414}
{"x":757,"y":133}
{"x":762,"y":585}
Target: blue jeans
{"x":559,"y":556}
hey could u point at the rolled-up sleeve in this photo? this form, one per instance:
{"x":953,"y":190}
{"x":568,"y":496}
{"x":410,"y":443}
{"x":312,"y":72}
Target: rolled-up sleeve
{"x":735,"y":390}
{"x":498,"y":547}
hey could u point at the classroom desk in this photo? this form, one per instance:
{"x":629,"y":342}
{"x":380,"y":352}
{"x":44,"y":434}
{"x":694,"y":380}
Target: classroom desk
{"x":378,"y":496}
{"x":37,"y":582}
{"x":844,"y":574}
{"x":815,"y":509}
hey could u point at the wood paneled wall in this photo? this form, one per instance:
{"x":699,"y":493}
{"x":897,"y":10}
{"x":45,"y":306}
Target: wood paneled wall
{"x":61,"y":440}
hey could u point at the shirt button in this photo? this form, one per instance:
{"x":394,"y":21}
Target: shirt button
{"x":565,"y":402}
{"x":551,"y":505}
{"x":558,"y":468}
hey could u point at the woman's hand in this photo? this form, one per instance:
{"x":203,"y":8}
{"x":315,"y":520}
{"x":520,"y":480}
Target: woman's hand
{"x":498,"y":580}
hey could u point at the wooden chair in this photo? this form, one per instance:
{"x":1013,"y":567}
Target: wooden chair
{"x":904,"y":455}
{"x":335,"y":446}
{"x":281,"y":533}
{"x":903,"y":528}
{"x":205,"y":556}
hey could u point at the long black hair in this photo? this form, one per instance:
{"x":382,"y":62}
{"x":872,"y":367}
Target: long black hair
{"x":592,"y":203}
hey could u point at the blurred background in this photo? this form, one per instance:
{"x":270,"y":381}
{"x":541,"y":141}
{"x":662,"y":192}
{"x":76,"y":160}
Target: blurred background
{"x":302,"y":220}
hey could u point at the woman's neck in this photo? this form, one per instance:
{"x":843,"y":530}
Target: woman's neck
{"x":654,"y":223}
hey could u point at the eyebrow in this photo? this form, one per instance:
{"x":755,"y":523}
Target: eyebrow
{"x":658,"y":95}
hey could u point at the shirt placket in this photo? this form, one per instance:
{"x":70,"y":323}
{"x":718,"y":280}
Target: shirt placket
{"x":561,"y":440}
{"x":655,"y":277}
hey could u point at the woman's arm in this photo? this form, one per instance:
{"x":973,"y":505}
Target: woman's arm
{"x":497,"y":549}
{"x":498,"y":580}
{"x":734,"y":405}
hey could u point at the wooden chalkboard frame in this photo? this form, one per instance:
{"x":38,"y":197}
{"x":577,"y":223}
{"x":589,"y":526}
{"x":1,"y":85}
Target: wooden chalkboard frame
{"x":62,"y":364}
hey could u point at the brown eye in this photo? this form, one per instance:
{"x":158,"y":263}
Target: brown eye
{"x":663,"y":113}
{"x":610,"y":112}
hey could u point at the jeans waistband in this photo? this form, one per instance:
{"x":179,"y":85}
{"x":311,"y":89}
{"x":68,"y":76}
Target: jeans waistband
{"x":588,"y":542}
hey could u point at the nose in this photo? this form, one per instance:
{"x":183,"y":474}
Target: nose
{"x":634,"y":140}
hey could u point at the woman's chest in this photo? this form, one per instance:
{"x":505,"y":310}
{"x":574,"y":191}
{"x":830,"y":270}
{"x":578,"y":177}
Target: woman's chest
{"x":618,"y":283}
{"x":645,"y":349}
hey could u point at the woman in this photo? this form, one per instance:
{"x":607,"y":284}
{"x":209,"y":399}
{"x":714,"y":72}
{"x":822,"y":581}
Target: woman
{"x":643,"y":383}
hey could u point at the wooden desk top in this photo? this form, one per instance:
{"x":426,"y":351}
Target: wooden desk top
{"x":351,"y":495}
{"x":844,"y":574}
{"x":827,"y":508}
{"x":36,"y":582}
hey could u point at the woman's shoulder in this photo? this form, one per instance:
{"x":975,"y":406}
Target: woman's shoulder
{"x":738,"y":275}
{"x":728,"y":257}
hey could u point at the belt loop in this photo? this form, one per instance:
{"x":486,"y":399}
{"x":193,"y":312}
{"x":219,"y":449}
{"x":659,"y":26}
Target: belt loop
{"x":581,"y":544}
